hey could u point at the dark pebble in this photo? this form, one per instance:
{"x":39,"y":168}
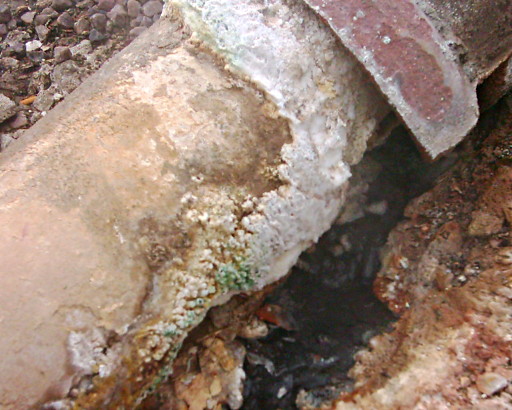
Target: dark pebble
{"x":96,"y":36}
{"x":106,"y":5}
{"x":65,"y":20}
{"x":3,"y":29}
{"x":99,"y":22}
{"x":152,"y":8}
{"x":61,"y":5}
{"x":5,"y":13}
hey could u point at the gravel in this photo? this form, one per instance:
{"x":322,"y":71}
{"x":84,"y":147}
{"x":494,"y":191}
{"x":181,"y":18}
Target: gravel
{"x":48,"y":47}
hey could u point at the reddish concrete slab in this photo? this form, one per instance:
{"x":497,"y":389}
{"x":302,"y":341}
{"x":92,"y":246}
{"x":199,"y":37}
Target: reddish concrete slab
{"x":410,"y":62}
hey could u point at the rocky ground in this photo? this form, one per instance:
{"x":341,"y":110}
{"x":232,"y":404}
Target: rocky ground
{"x":48,"y":47}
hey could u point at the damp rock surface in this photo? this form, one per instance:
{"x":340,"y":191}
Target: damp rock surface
{"x":451,"y":346}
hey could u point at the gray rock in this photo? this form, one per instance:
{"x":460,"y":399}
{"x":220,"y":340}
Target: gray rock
{"x":11,"y":25}
{"x":5,"y":140}
{"x":61,"y":54}
{"x":36,"y":56}
{"x":33,"y":45}
{"x":82,"y":26}
{"x":61,"y":5}
{"x":110,"y":26}
{"x":106,"y":5}
{"x":42,"y":32}
{"x":45,"y":16}
{"x":82,"y":49}
{"x":65,"y":20}
{"x":3,"y":30}
{"x":135,"y":22}
{"x":99,"y":22}
{"x":118,"y":15}
{"x":490,"y":383}
{"x":66,"y":76}
{"x":9,"y":63}
{"x":133,"y":7}
{"x":96,"y":36}
{"x":16,"y":47}
{"x":146,"y":21}
{"x":42,"y":4}
{"x":84,"y":4}
{"x":28,"y":17}
{"x":135,"y":32}
{"x":5,"y":13}
{"x":152,"y":8}
{"x":7,"y":108}
{"x":18,"y":121}
{"x":45,"y":99}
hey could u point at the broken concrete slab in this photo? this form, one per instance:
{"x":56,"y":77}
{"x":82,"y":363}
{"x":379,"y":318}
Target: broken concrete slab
{"x":407,"y":57}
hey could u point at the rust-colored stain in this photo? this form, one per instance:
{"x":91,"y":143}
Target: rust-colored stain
{"x":405,"y":54}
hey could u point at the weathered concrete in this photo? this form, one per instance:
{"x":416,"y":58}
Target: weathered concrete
{"x":163,"y":185}
{"x":427,"y":56}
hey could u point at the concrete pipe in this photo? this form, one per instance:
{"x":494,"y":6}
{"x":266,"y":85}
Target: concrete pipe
{"x":197,"y":163}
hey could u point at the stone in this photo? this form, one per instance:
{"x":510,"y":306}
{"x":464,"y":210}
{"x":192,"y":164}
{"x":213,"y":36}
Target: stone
{"x":45,"y":16}
{"x":137,"y":31}
{"x":3,"y":30}
{"x":7,"y":107}
{"x":66,"y":76}
{"x":5,"y":14}
{"x":18,"y":121}
{"x":45,"y":99}
{"x":152,"y":8}
{"x":62,"y":54}
{"x":484,"y":223}
{"x":490,"y":383}
{"x":36,"y":56}
{"x":96,"y":36}
{"x":82,"y":26}
{"x":33,"y":45}
{"x":106,"y":5}
{"x":146,"y":21}
{"x":16,"y":47}
{"x":65,"y":20}
{"x":82,"y":49}
{"x":133,"y":7}
{"x":42,"y":32}
{"x":9,"y":63}
{"x":61,"y":5}
{"x":118,"y":15}
{"x":28,"y":17}
{"x":42,"y":4}
{"x":99,"y":22}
